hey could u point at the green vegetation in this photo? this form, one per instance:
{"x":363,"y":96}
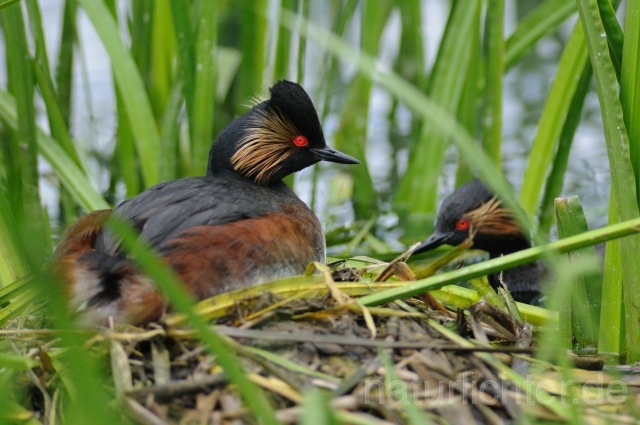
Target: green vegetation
{"x":182,"y":70}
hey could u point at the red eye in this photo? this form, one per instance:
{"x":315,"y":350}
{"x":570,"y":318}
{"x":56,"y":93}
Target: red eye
{"x":462,"y":224}
{"x":300,"y":141}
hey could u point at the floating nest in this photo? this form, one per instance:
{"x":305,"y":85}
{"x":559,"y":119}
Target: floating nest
{"x":307,"y":338}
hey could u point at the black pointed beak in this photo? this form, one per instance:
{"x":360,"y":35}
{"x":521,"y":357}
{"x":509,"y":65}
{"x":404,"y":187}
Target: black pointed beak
{"x":435,"y":240}
{"x":332,"y":155}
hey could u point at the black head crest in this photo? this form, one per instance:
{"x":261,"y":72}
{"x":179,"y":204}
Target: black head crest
{"x":466,"y":198}
{"x":473,"y":210}
{"x":294,"y":103}
{"x":277,"y":137}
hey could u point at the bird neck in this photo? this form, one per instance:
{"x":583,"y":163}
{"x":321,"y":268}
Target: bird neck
{"x":506,"y":246}
{"x":224,"y":146}
{"x":227,"y":174}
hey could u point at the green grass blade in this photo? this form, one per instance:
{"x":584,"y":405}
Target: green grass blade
{"x":587,"y":283}
{"x":304,"y":9}
{"x":231,"y":58}
{"x":171,"y":133}
{"x":11,"y":411}
{"x":351,"y":138}
{"x":554,"y":115}
{"x":614,"y":34}
{"x":630,"y":84}
{"x":21,"y":85}
{"x":163,"y":52}
{"x":283,"y":47}
{"x":561,"y":158}
{"x":538,"y":23}
{"x":129,"y":82}
{"x":124,"y":161}
{"x":316,"y":409}
{"x":425,"y":108}
{"x":73,"y":179}
{"x":410,"y":62}
{"x":16,"y":362}
{"x":253,"y":38}
{"x":484,"y":289}
{"x":343,"y":13}
{"x":64,"y":83}
{"x":471,"y":100}
{"x":622,"y":175}
{"x":494,"y":71}
{"x":17,"y":296}
{"x":572,"y":243}
{"x":182,"y":301}
{"x":84,"y":383}
{"x":141,"y":25}
{"x":417,"y":190}
{"x":205,"y":78}
{"x":57,"y":124}
{"x":359,"y":236}
{"x":64,"y":70}
{"x":612,"y":319}
{"x":6,"y":3}
{"x":31,"y":220}
{"x":13,"y":264}
{"x":181,"y":12}
{"x":35,"y":24}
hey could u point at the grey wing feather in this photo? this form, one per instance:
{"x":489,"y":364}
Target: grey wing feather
{"x":162,"y":212}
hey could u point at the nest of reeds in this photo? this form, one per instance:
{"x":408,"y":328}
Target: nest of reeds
{"x":313,"y":349}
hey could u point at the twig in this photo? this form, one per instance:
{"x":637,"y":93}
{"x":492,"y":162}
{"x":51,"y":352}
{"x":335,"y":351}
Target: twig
{"x":143,"y":415}
{"x":176,"y":388}
{"x":342,"y":340}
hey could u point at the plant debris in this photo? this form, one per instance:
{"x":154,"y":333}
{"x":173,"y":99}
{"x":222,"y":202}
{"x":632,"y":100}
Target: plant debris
{"x":375,"y":364}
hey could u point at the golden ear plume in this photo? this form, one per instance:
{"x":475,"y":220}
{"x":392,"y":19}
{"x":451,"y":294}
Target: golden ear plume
{"x":492,"y":219}
{"x":265,"y":146}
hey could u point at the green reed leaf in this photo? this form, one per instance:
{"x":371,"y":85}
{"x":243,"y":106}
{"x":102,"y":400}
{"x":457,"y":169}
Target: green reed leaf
{"x":623,"y":179}
{"x":129,"y":82}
